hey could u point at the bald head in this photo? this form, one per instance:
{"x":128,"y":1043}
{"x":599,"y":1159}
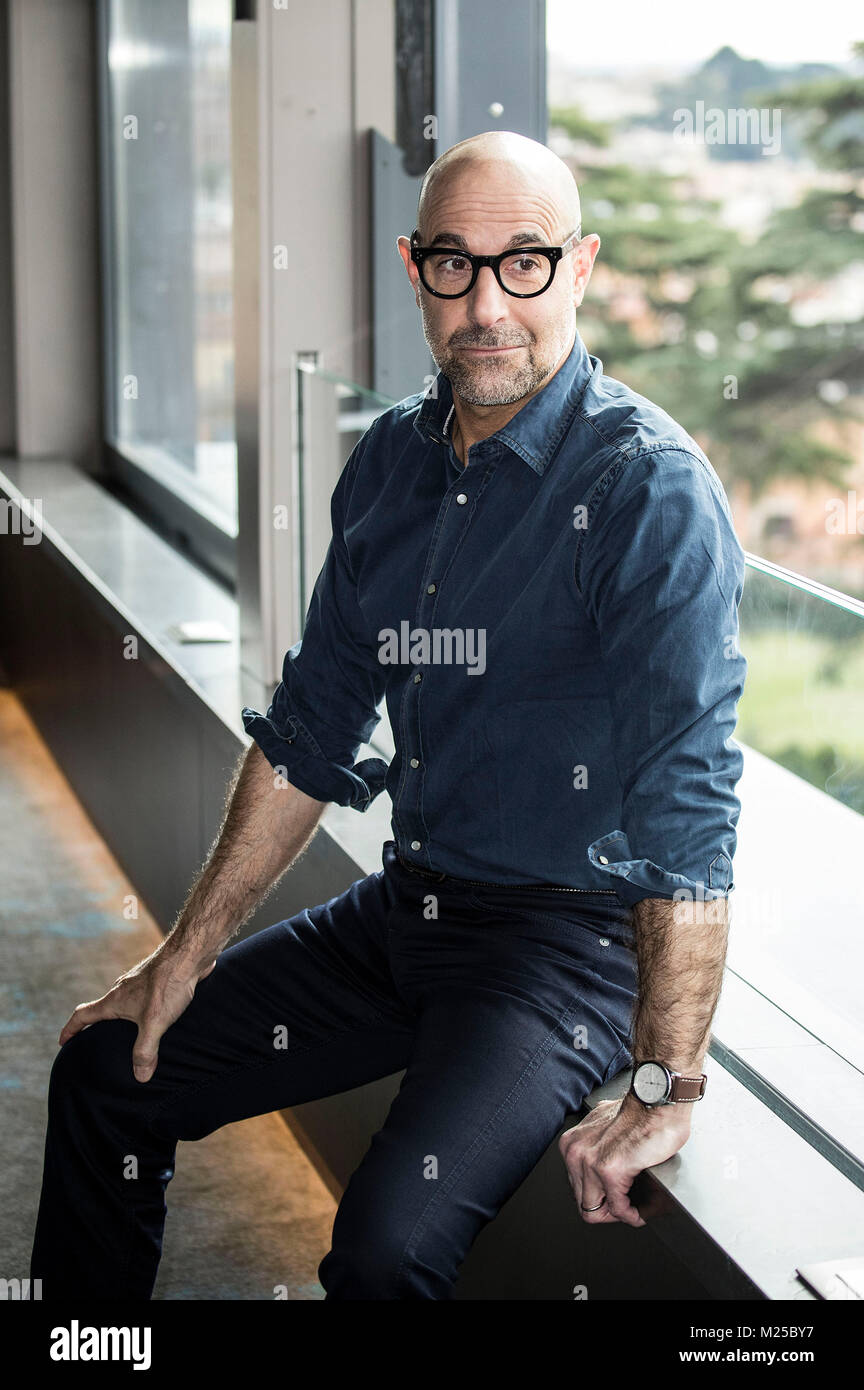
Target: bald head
{"x":508,"y":160}
{"x":491,"y":195}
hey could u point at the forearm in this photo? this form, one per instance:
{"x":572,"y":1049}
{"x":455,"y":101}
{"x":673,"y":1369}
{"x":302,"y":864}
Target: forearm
{"x":267,"y":824}
{"x":681,"y":950}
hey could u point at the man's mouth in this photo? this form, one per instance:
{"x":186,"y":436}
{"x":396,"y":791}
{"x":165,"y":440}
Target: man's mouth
{"x":490,"y":351}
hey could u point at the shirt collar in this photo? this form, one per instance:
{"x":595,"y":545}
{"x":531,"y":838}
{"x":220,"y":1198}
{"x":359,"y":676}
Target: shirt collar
{"x":527,"y":433}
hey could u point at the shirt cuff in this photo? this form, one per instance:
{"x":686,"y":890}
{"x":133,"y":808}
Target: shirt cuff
{"x":297,"y":753}
{"x":640,"y":878}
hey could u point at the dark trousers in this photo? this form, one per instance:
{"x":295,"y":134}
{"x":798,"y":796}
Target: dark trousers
{"x":505,"y":1007}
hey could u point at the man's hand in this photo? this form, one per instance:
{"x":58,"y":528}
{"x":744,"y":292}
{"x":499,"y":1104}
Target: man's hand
{"x":607,"y":1150}
{"x":680,"y":957}
{"x":267,"y":823}
{"x":152,"y":994}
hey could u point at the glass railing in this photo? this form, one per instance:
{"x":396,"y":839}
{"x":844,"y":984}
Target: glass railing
{"x":333,"y":414}
{"x":790,"y":1022}
{"x":802,"y":699}
{"x":791,"y":1008}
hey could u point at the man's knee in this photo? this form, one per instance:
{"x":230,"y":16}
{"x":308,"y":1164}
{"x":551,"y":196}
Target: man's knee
{"x":96,"y":1060}
{"x":383,"y":1264}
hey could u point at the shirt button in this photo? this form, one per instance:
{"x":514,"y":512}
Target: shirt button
{"x":602,"y":858}
{"x":418,"y":677}
{"x":415,"y":844}
{"x":431,"y":588}
{"x":415,"y":762}
{"x":461,"y":499}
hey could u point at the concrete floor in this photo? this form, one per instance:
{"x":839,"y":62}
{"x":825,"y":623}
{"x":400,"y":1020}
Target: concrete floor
{"x":247,"y":1212}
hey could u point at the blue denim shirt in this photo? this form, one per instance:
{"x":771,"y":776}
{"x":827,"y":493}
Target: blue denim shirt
{"x":555,"y":629}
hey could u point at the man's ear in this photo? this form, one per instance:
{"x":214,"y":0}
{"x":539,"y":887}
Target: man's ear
{"x":403,"y":246}
{"x":584,"y":257}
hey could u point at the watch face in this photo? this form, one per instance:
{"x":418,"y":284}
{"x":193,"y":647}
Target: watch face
{"x":651,"y":1083}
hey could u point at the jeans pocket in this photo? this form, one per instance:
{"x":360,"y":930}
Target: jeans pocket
{"x":622,"y":1059}
{"x":593,"y":923}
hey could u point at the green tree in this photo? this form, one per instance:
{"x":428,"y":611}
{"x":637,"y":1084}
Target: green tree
{"x":732,"y":360}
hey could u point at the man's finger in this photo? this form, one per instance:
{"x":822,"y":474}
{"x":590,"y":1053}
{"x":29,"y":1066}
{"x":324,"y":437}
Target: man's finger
{"x":572,"y":1165}
{"x":145,"y":1051}
{"x":81,"y":1017}
{"x":594,"y":1195}
{"x":618,"y":1203}
{"x":593,"y":1203}
{"x":574,"y":1173}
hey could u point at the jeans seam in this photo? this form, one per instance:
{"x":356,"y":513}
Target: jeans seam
{"x":483,"y":1138}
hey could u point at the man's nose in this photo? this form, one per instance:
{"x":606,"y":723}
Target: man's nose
{"x":487,"y":302}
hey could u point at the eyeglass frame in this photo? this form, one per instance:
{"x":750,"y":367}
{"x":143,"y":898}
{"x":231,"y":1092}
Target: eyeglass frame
{"x":553,"y":254}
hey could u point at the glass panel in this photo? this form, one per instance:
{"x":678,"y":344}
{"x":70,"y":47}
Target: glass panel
{"x":797,"y":904}
{"x":171,"y":380}
{"x":802,"y":700}
{"x":333,"y":414}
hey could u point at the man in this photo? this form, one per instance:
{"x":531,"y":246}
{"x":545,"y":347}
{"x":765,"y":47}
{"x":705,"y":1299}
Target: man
{"x":538,"y":569}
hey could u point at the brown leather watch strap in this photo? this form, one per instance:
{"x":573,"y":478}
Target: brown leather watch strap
{"x":688,"y":1087}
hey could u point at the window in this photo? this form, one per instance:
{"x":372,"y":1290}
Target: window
{"x":167,"y":221}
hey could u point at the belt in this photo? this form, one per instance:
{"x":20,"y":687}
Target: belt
{"x":488,"y":883}
{"x":425,"y":873}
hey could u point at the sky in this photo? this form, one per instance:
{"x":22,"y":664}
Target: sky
{"x":633,"y":33}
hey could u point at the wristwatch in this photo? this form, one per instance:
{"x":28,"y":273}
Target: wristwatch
{"x":654,"y":1084}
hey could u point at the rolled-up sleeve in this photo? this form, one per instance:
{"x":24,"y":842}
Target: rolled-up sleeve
{"x":325,"y":706}
{"x":662,"y":573}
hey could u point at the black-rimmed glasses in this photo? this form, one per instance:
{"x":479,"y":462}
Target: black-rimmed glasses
{"x":448,"y":272}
